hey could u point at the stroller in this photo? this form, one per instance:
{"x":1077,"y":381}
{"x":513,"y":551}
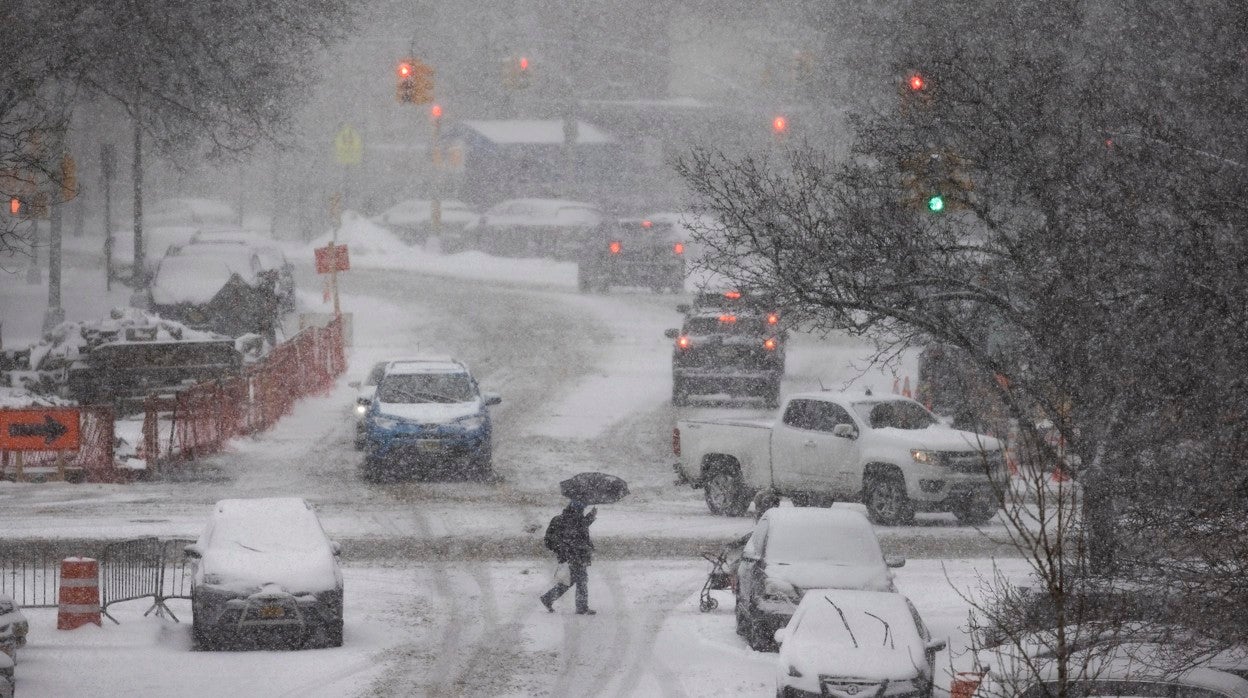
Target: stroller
{"x":719,"y":578}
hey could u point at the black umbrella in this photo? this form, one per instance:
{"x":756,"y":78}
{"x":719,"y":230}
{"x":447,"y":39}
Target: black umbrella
{"x":594,"y":488}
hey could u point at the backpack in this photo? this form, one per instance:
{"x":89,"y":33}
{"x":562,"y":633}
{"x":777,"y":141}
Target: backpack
{"x":554,"y":533}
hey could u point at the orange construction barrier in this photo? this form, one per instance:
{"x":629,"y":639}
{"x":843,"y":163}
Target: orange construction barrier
{"x":79,"y":598}
{"x":896,"y":385}
{"x":905,"y":388}
{"x":964,"y":684}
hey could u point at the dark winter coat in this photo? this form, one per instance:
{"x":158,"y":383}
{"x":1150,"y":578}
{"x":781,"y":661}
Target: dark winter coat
{"x":568,"y":535}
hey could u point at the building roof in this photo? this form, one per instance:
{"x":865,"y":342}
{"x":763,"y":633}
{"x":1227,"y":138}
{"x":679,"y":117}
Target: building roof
{"x":535,"y":132}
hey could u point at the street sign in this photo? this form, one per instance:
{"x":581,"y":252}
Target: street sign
{"x":332,"y":258}
{"x":51,"y":429}
{"x":348,"y":146}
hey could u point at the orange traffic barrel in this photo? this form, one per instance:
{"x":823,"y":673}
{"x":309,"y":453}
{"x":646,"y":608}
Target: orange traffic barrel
{"x":79,"y":598}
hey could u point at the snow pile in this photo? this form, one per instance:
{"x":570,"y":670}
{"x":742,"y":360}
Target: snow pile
{"x":68,"y":341}
{"x":20,"y":398}
{"x":373,"y":247}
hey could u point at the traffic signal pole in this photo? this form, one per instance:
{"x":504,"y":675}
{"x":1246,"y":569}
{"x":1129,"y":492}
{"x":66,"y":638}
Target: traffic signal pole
{"x":435,"y":200}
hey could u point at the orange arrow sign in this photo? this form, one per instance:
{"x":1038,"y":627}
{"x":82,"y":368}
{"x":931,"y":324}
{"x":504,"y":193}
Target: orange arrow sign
{"x":52,"y":429}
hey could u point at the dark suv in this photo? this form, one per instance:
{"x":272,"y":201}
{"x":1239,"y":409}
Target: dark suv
{"x":632,"y":252}
{"x":738,"y":351}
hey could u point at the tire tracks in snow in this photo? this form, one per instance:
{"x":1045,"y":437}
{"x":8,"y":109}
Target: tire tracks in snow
{"x":587,"y":651}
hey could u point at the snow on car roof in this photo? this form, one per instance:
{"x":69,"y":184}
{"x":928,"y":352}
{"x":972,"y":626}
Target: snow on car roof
{"x":799,"y":533}
{"x":444,"y":364}
{"x":196,"y":278}
{"x":266,"y":524}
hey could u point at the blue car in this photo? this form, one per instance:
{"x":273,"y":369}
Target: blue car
{"x":428,"y":414}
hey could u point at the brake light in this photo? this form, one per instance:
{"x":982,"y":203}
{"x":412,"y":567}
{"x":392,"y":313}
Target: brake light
{"x":615,"y":247}
{"x":684,"y":342}
{"x":773,"y":319}
{"x":676,"y":441}
{"x":770,"y":344}
{"x":646,"y":224}
{"x":732,"y":295}
{"x":679,"y":248}
{"x":728,"y":319}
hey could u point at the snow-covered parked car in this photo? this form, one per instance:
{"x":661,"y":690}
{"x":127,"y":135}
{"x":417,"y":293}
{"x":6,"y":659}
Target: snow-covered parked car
{"x":793,"y":549}
{"x":844,"y":642}
{"x":263,"y":569}
{"x":428,"y":413}
{"x":7,"y":689}
{"x":13,"y":624}
{"x":273,"y":262}
{"x":554,"y":228}
{"x":412,"y":221}
{"x":222,"y":288}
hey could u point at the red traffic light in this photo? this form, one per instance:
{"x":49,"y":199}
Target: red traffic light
{"x":917,"y":82}
{"x":779,"y":124}
{"x":15,"y":205}
{"x":524,"y":63}
{"x":614,"y":247}
{"x":647,"y":224}
{"x":678,"y":248}
{"x":435,"y":111}
{"x":405,"y":70}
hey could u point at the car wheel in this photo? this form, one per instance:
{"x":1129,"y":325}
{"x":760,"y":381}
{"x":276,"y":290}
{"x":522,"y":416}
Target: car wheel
{"x":725,"y":494}
{"x":333,"y":633}
{"x":680,"y":394}
{"x":374,"y":470}
{"x":974,"y":514}
{"x":481,"y":465}
{"x":756,"y":636}
{"x":887,"y":501}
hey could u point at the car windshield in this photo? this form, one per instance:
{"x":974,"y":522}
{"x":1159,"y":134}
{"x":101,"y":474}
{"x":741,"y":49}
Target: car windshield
{"x":269,"y":532}
{"x":895,"y":414}
{"x":375,"y":375}
{"x":728,"y":324}
{"x":801,"y":543}
{"x":426,"y":387}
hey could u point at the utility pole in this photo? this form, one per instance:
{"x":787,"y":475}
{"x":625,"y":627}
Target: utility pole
{"x":108,"y":165}
{"x":140,"y":263}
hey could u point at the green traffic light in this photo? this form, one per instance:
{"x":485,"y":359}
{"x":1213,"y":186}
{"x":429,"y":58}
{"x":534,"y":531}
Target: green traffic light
{"x":936,"y":203}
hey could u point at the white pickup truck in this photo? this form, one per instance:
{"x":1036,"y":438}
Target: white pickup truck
{"x":886,"y":451}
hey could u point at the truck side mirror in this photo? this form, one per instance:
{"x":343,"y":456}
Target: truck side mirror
{"x":672,"y":333}
{"x":845,"y":431}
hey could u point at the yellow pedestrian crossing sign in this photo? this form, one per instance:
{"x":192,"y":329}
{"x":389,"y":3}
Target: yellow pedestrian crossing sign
{"x":348,"y":146}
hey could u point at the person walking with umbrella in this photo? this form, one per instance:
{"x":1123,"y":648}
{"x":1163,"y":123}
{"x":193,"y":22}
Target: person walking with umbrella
{"x":568,"y":537}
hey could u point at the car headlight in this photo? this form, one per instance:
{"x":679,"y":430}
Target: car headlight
{"x":925,"y":457}
{"x":782,"y":591}
{"x":386,"y":422}
{"x":471,"y":422}
{"x":361,"y":408}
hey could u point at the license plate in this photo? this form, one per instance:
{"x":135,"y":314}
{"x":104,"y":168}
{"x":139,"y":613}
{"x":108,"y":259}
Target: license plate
{"x":428,"y":445}
{"x":272,"y":612}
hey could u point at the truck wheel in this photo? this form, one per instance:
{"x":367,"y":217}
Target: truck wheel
{"x":725,"y":494}
{"x":974,"y":514}
{"x":680,"y":394}
{"x":887,"y":501}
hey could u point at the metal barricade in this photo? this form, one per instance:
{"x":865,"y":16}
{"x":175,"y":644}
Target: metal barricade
{"x":31,"y":577}
{"x":175,"y":576}
{"x":130,"y":570}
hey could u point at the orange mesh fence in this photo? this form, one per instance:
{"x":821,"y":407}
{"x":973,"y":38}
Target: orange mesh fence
{"x":199,"y":420}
